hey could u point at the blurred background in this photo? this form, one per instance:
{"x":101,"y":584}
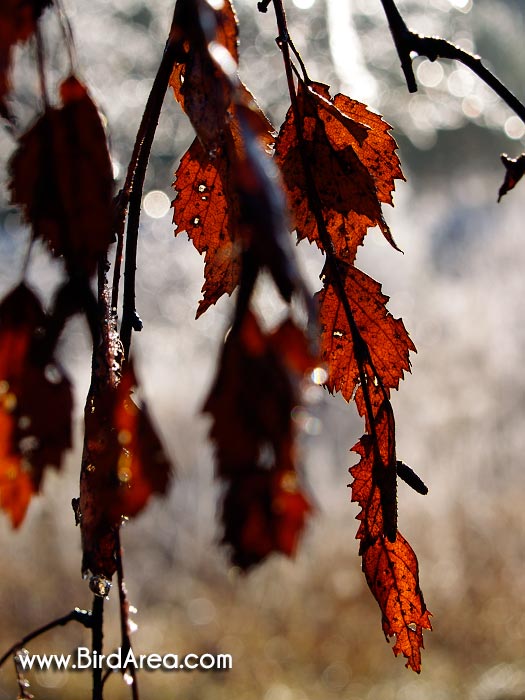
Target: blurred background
{"x":309,"y":629}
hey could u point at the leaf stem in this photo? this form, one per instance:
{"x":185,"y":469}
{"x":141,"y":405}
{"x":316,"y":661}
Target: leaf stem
{"x":408,"y":43}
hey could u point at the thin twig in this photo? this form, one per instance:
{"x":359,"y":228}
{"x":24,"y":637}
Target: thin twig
{"x":130,"y":319}
{"x":40,"y":53}
{"x":76,"y":615}
{"x":124,"y":616}
{"x":69,"y":38}
{"x":409,"y":43}
{"x":97,"y":639}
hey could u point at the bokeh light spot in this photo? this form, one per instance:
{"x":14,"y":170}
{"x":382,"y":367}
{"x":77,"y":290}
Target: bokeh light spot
{"x":156,"y":204}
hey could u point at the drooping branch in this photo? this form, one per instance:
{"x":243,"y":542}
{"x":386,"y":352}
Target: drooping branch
{"x":409,"y":44}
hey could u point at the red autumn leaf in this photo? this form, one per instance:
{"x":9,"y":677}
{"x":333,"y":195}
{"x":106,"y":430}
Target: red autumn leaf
{"x":229,"y":199}
{"x":35,"y":403}
{"x":353,"y":166}
{"x":251,"y":366}
{"x":392,"y":574}
{"x":514,"y":170}
{"x":263,"y":510}
{"x":386,"y":337}
{"x":123,"y":465}
{"x":230,"y":203}
{"x":375,"y":484}
{"x":61,"y":176}
{"x":207,"y":209}
{"x":198,"y":83}
{"x":18,"y":20}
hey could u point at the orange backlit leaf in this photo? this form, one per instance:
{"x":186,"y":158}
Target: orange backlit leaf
{"x":35,"y":403}
{"x":123,"y":465}
{"x":374,"y":486}
{"x":386,"y":337}
{"x":61,"y":176}
{"x":353,"y":165}
{"x":207,"y":208}
{"x":391,"y":571}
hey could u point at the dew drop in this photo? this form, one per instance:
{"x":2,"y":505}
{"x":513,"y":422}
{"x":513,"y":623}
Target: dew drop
{"x":196,"y":221}
{"x":338,"y":334}
{"x":202,"y":188}
{"x":412,"y":626}
{"x":100,"y":585}
{"x":127,"y":678}
{"x":132,"y":610}
{"x":90,"y":468}
{"x":204,"y":198}
{"x":132,"y":626}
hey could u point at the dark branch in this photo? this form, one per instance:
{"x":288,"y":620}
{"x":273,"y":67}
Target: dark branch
{"x":97,"y":639}
{"x":130,"y":319}
{"x":410,"y":44}
{"x":76,"y":615}
{"x":124,"y":618}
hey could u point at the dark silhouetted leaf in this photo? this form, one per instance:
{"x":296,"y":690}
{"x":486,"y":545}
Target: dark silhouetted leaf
{"x":514,"y":169}
{"x":251,"y":403}
{"x":35,"y":403}
{"x":123,"y":465}
{"x":263,"y":512}
{"x":61,"y":176}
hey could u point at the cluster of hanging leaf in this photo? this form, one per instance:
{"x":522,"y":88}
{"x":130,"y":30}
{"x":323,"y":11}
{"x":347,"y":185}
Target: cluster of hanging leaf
{"x":337,"y":165}
{"x":61,"y":177}
{"x":240,"y":190}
